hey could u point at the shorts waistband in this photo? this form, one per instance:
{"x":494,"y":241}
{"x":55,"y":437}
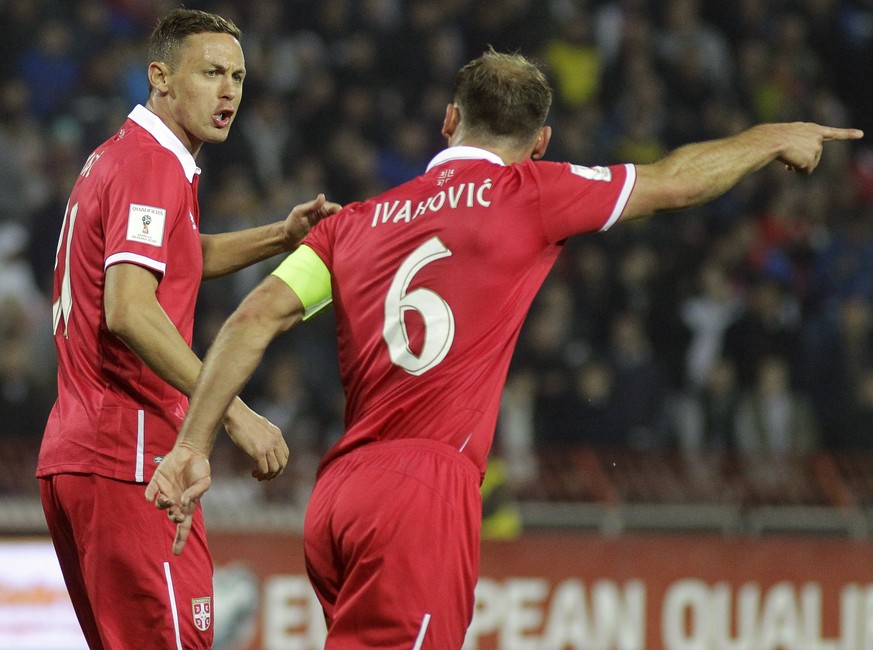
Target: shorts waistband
{"x":425,"y":444}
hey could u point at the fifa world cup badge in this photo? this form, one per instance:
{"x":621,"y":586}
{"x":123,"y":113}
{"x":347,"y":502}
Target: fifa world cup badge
{"x":202,"y":609}
{"x":146,"y":220}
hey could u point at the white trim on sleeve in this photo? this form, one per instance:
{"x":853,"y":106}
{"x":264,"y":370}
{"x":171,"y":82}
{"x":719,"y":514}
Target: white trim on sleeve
{"x":624,"y":195}
{"x":135,"y":258}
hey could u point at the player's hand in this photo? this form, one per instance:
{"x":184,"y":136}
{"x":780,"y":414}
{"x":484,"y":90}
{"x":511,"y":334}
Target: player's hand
{"x":302,"y":217}
{"x":259,"y":438}
{"x":180,"y":480}
{"x":803,"y":143}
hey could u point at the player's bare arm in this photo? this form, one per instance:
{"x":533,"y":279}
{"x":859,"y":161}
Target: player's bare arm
{"x":134,"y":314}
{"x":184,"y":475}
{"x":697,"y":173}
{"x":228,"y":252}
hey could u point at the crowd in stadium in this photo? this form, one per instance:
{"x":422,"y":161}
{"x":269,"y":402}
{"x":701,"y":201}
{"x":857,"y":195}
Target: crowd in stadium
{"x":742,"y":326}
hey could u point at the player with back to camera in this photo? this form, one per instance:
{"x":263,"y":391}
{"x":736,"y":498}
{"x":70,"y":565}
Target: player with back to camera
{"x":129,"y":265}
{"x":391,"y":536}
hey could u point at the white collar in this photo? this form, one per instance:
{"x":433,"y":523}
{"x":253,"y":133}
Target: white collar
{"x":166,"y":138}
{"x":464,"y":152}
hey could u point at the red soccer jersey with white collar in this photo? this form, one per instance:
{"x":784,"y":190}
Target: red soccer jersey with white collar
{"x":432,"y":282}
{"x":134,"y":202}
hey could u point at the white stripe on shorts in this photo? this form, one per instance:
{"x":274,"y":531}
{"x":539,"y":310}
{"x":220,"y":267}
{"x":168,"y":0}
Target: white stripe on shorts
{"x":421,"y":632}
{"x":140,"y":445}
{"x":172,"y":594}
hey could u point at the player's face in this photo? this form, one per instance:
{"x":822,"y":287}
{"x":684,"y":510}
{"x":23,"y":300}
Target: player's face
{"x":205,"y":88}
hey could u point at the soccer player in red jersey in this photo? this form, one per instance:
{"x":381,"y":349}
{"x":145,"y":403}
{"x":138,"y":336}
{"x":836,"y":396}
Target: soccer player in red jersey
{"x":129,"y":264}
{"x":431,"y":282}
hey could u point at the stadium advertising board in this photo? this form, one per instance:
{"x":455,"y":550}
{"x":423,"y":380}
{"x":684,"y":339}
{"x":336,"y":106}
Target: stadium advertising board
{"x":540,"y":592}
{"x":585,"y":592}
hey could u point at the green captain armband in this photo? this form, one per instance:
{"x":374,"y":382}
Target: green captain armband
{"x":308,"y":277}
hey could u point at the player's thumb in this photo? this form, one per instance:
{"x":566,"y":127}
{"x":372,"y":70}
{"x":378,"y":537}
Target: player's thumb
{"x":316,"y":204}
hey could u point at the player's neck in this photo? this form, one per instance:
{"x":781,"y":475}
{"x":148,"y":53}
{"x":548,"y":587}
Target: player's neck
{"x":166,"y":116}
{"x":508,"y":155}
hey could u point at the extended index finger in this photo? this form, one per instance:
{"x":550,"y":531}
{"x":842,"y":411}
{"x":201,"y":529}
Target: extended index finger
{"x":834,"y":133}
{"x":183,"y":529}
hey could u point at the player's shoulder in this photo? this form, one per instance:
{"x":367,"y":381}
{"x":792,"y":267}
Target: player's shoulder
{"x":572,"y":172}
{"x":133,"y":151}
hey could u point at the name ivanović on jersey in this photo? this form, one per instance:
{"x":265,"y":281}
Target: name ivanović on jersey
{"x":466,"y":194}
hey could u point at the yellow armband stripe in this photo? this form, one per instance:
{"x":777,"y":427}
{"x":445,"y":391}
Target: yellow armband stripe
{"x":306,"y":274}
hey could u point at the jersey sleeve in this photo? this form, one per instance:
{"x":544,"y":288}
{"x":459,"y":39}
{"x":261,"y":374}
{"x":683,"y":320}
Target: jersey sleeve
{"x":143,"y":201}
{"x":577,"y":199}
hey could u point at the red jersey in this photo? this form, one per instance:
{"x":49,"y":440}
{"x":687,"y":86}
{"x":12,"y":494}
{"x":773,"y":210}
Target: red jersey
{"x":135,"y":202}
{"x":432,"y":282}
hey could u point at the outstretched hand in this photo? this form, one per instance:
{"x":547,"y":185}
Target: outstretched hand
{"x":180,"y":480}
{"x":302,"y":217}
{"x":804,"y":141}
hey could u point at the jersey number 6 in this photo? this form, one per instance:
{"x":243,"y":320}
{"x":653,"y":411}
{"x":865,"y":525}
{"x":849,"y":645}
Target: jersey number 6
{"x":439,"y":322}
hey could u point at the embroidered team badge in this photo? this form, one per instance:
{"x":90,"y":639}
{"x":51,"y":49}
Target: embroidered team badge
{"x":145,"y":224}
{"x":445,"y":176}
{"x":202,"y":610}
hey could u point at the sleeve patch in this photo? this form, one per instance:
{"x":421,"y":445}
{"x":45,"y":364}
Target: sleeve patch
{"x":592,"y":173}
{"x":145,"y":224}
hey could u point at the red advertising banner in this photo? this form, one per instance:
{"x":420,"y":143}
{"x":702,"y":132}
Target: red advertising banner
{"x":588,"y":592}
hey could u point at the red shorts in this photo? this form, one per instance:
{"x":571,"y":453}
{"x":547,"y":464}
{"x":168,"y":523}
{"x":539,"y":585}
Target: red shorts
{"x":392,"y":546}
{"x":115,"y":551}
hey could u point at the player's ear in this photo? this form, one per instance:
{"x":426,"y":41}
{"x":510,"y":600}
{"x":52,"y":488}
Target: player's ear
{"x":159,"y":73}
{"x":451,"y":121}
{"x":542,"y":143}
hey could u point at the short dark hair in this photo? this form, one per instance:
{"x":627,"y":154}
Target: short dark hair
{"x":502,"y":95}
{"x":171,"y":30}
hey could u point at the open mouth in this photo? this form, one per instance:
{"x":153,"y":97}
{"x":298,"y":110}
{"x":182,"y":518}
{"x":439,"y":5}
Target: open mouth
{"x":222,"y":119}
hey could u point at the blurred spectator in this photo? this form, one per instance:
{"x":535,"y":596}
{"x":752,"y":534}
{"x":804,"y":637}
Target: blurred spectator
{"x":406,"y":153}
{"x":686,"y":36}
{"x":270,"y":140}
{"x":50,"y":70}
{"x":705,"y":421}
{"x":776,"y":427}
{"x":774,"y":419}
{"x":844,"y":265}
{"x":284,"y":399}
{"x":574,"y":61}
{"x":598,"y":415}
{"x":25,"y":357}
{"x":768,"y":326}
{"x":595,"y":294}
{"x":13,"y":207}
{"x":857,"y":432}
{"x":549,"y":353}
{"x":708,"y":314}
{"x":838,"y":353}
{"x":588,"y":413}
{"x":515,"y":437}
{"x":640,"y":384}
{"x":706,"y":417}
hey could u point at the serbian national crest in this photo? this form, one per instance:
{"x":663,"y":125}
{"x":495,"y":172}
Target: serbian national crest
{"x":202,"y":610}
